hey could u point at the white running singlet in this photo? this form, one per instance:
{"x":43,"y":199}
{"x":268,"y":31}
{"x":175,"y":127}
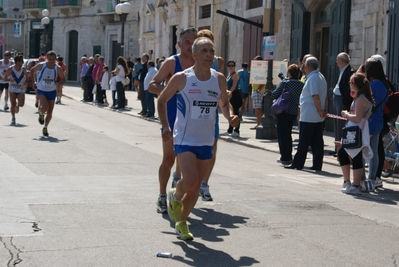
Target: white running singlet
{"x":196,"y":111}
{"x":47,"y":77}
{"x":18,"y":84}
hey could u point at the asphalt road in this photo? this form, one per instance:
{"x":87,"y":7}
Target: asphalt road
{"x":85,"y":196}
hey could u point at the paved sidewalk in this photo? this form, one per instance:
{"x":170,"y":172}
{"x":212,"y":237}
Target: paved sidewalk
{"x":247,"y":136}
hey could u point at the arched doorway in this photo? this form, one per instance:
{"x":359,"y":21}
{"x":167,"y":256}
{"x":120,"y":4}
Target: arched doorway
{"x":225,"y":42}
{"x":322,"y":35}
{"x":73,"y":56}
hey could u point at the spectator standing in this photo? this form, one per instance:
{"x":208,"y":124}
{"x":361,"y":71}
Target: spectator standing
{"x":130,"y":65}
{"x":105,"y":84}
{"x":121,"y":71}
{"x":285,"y":121}
{"x":341,"y":93}
{"x":313,"y":106}
{"x":357,"y":115}
{"x":150,"y":96}
{"x":258,"y":90}
{"x":90,"y":82}
{"x":234,"y":96}
{"x":143,"y":72}
{"x":243,"y":84}
{"x":380,"y":89}
{"x":136,"y":72}
{"x":94,"y":73}
{"x":83,"y":78}
{"x":97,"y":79}
{"x":112,"y":86}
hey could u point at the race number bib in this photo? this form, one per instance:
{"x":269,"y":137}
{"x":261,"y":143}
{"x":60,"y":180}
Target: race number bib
{"x":47,"y":82}
{"x":203,"y":110}
{"x":16,"y":87}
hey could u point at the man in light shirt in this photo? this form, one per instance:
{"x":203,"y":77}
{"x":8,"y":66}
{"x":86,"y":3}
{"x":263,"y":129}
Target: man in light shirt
{"x":150,"y":96}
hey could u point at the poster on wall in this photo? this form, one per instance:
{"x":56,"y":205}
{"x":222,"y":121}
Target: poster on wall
{"x":17,"y":29}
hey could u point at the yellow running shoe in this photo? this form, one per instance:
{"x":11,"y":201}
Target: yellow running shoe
{"x":45,"y":132}
{"x":182,"y":230}
{"x":174,"y":207}
{"x":41,"y":118}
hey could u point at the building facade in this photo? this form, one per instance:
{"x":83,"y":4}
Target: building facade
{"x":79,"y":27}
{"x":323,"y":28}
{"x":11,"y":25}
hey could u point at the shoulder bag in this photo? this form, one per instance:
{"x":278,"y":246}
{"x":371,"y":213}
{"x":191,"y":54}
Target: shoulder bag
{"x":281,"y":104}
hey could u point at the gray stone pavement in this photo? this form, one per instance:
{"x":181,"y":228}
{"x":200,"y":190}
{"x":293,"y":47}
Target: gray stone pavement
{"x":247,"y":136}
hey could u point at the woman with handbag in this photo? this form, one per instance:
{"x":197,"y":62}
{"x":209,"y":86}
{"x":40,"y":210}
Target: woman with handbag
{"x":356,"y":116}
{"x":286,"y":119}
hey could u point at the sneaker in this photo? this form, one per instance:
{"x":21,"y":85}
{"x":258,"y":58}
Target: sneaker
{"x":235,"y":134}
{"x":352,"y":190}
{"x":174,"y":207}
{"x":44,"y":131}
{"x":162,"y":207}
{"x":378,"y":183}
{"x":41,"y":118}
{"x":13,"y":121}
{"x":205,"y":194}
{"x":278,"y":160}
{"x":345,"y":185}
{"x":6,"y":107}
{"x":16,"y":108}
{"x":181,"y":229}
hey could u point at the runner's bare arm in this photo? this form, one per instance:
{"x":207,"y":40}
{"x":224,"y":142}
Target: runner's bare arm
{"x":33,"y":71}
{"x":7,"y":74}
{"x":224,"y":102}
{"x":62,"y":76}
{"x":164,"y":74}
{"x":175,"y":85}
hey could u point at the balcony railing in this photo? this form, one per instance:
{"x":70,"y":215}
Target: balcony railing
{"x":62,"y":3}
{"x":30,"y":4}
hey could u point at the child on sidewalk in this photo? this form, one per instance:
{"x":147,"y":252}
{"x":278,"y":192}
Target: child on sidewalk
{"x":105,"y":84}
{"x":112,"y":86}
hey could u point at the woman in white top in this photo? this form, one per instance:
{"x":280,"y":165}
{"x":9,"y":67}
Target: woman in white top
{"x":121,"y":71}
{"x":16,"y":77}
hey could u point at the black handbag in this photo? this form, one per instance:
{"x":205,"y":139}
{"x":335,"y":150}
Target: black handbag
{"x":351,"y":137}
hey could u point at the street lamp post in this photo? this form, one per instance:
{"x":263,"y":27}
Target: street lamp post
{"x":45,"y":22}
{"x":123,"y":9}
{"x":268,"y":129}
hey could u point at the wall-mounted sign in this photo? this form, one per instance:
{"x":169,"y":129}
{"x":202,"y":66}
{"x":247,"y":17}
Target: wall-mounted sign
{"x":17,"y":29}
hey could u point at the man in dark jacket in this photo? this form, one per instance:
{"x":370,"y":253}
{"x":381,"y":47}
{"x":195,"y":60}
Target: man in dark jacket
{"x":143,"y":72}
{"x":342,"y":99}
{"x":90,"y":81}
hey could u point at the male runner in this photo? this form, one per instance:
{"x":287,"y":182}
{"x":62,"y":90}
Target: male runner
{"x":171,"y":65}
{"x":198,"y":91}
{"x":47,"y":87}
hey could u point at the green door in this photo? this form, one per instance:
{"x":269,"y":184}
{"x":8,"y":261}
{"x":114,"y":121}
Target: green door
{"x":338,"y":42}
{"x":73,"y":56}
{"x":300,"y":29}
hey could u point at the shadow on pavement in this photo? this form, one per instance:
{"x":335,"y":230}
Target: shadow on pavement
{"x":382,"y":196}
{"x":49,"y":139}
{"x":197,"y":254}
